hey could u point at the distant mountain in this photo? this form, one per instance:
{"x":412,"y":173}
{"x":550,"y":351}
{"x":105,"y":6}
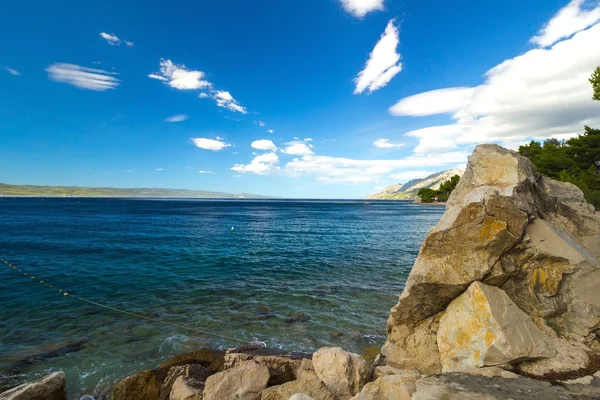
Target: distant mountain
{"x":76,"y":191}
{"x":408,"y":191}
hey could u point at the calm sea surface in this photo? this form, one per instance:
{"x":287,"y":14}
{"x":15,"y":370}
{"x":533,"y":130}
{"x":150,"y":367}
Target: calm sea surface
{"x":341,"y":263}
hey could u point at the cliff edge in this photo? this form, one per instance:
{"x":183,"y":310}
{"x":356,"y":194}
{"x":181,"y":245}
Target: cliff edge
{"x":508,"y":278}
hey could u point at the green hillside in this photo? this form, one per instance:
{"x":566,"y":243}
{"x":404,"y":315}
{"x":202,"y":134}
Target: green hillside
{"x":76,"y":191}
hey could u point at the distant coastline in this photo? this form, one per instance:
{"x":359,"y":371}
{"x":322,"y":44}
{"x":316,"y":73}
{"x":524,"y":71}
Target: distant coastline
{"x":109,"y":192}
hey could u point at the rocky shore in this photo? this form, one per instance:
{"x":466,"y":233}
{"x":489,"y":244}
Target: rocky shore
{"x":502,"y":303}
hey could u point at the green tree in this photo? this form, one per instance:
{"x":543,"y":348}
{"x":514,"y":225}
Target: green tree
{"x":595,"y":81}
{"x":428,"y":195}
{"x":576,"y":161}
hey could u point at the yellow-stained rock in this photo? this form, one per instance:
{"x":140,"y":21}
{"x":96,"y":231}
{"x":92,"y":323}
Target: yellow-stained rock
{"x":483,"y":327}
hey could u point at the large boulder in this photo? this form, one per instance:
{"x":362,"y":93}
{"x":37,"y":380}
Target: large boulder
{"x":508,"y":227}
{"x":210,"y":359}
{"x":308,"y":384}
{"x":144,"y":385}
{"x":483,"y":327}
{"x":398,"y":386}
{"x":196,"y":373}
{"x":343,"y":373}
{"x":456,"y":386}
{"x":186,"y":388}
{"x":282,"y":365}
{"x":244,"y":382}
{"x":51,"y":387}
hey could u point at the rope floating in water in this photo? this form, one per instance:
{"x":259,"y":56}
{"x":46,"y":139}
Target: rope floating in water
{"x":189,"y":328}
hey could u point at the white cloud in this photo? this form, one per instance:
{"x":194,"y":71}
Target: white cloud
{"x":308,"y":139}
{"x":271,"y":131}
{"x":206,"y":172}
{"x":434,"y":102}
{"x":210,"y":144}
{"x":385,"y":143}
{"x":226,"y":100}
{"x":82,"y":77}
{"x":345,"y":170}
{"x":569,"y":20}
{"x":160,"y":169}
{"x":264,"y":144}
{"x":406,"y":176}
{"x":179,"y":77}
{"x":12,"y":71}
{"x":203,"y":95}
{"x":176,"y":118}
{"x":383,"y":63}
{"x":114,"y":40}
{"x":359,"y":8}
{"x":540,"y":94}
{"x":261,"y":165}
{"x":297,"y":149}
{"x":260,"y":123}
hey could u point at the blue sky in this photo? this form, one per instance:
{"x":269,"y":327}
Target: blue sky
{"x":315,"y":98}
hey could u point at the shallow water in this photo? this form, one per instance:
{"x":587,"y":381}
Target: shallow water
{"x":342,"y":263}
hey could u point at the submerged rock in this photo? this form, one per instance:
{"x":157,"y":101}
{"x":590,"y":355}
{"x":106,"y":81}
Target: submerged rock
{"x":536,"y":240}
{"x":51,"y":387}
{"x":301,"y":317}
{"x":45,"y":352}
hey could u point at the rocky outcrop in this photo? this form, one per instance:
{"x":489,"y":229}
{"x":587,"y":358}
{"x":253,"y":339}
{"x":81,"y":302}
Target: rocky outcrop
{"x":398,"y":386}
{"x":244,"y":382}
{"x":282,"y":365}
{"x":186,"y":388}
{"x":504,"y":278}
{"x":195,"y":375}
{"x":51,"y":387}
{"x":343,"y":373}
{"x":483,"y":327}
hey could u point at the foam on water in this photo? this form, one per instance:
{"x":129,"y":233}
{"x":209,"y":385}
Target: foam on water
{"x":341,"y":263}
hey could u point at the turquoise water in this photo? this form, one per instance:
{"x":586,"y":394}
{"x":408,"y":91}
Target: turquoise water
{"x":342,"y":264}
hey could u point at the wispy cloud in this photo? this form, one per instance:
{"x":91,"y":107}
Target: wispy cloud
{"x":203,"y":95}
{"x":12,"y":71}
{"x":569,"y":20}
{"x":226,"y":100}
{"x":260,"y":123}
{"x":82,"y":77}
{"x":383,"y":63}
{"x":359,"y":8}
{"x":270,"y":131}
{"x":543,"y":93}
{"x":206,"y":172}
{"x":261,"y":165}
{"x":297,"y":148}
{"x":264,"y":144}
{"x":328,"y":169}
{"x":160,"y":169}
{"x":114,"y":40}
{"x":177,"y":118}
{"x":385,"y":143}
{"x":439,"y":101}
{"x":179,"y":77}
{"x":211,"y":144}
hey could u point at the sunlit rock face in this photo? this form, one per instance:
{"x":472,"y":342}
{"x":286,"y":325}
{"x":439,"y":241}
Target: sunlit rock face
{"x":515,"y":256}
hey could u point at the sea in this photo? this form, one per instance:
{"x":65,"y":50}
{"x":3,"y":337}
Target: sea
{"x":292,"y":274}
